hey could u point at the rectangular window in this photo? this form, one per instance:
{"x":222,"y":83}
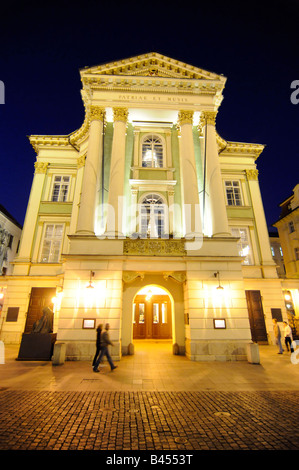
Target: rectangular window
{"x":233,"y":193}
{"x":9,"y":245}
{"x":297,"y":254}
{"x":60,"y":188}
{"x":155,"y":313}
{"x":291,"y":227}
{"x":164,"y":312}
{"x":52,"y":243}
{"x":243,"y":244}
{"x":272,"y":251}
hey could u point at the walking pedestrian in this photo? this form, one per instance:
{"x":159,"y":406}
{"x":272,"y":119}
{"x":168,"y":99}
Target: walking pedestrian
{"x":277,"y":335}
{"x":98,"y":344}
{"x":288,"y":337}
{"x":105,"y":342}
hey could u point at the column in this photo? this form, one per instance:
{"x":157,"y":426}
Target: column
{"x":114,"y":223}
{"x":213,"y":181}
{"x":32,"y":211}
{"x":92,"y":173}
{"x":191,"y":210}
{"x":260,"y":219}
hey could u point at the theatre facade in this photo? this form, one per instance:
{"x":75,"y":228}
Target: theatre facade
{"x":148,"y":219}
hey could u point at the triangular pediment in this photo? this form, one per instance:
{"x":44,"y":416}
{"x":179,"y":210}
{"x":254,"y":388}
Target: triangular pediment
{"x":152,"y":64}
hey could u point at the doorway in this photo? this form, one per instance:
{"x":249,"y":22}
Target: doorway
{"x":152,"y":314}
{"x":40,"y":297}
{"x":256,"y":316}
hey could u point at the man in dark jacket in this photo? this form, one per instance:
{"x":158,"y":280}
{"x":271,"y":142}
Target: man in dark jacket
{"x":105,"y":342}
{"x":98,"y":344}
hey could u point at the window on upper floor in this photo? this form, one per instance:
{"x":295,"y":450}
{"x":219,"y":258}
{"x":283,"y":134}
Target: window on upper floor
{"x":152,"y":216}
{"x":291,"y":227}
{"x":297,"y":254}
{"x":60,"y":188}
{"x":244,"y":245}
{"x":233,"y":193}
{"x":152,"y":152}
{"x":52,"y":243}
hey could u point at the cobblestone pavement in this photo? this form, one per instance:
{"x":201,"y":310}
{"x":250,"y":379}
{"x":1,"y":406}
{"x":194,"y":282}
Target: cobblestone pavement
{"x":153,"y":402}
{"x":263,"y":420}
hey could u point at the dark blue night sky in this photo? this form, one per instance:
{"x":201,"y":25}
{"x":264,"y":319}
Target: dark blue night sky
{"x":255,"y":45}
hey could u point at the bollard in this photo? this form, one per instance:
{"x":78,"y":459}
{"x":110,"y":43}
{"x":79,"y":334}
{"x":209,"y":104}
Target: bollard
{"x":131,"y":349}
{"x":2,"y":353}
{"x":253,"y":354}
{"x":58,"y":357}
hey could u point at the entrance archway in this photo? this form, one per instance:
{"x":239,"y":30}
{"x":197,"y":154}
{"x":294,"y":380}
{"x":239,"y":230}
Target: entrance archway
{"x":152,"y":314}
{"x":169,"y":287}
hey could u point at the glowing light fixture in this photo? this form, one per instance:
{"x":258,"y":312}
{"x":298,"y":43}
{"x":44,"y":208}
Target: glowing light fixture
{"x":148,"y":295}
{"x":219,"y":288}
{"x":90,"y":285}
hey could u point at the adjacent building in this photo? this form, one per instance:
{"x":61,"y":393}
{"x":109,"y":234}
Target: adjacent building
{"x":146,"y":218}
{"x":10,"y":234}
{"x":288,"y":231}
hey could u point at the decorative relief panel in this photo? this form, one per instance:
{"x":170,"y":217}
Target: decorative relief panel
{"x":151,"y":247}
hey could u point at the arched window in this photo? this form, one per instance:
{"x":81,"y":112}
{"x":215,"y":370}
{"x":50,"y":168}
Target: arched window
{"x":152,"y":216}
{"x":152,"y":152}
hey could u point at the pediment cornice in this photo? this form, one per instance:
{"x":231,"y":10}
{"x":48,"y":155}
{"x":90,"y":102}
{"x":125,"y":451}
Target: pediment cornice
{"x":152,"y":64}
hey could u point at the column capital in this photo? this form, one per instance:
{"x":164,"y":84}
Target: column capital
{"x":185,"y":117}
{"x":120,"y":114}
{"x":252,"y":175}
{"x":41,"y":167}
{"x":96,"y":113}
{"x":81,"y":161}
{"x":207,"y":117}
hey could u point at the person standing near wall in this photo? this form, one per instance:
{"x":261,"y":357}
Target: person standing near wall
{"x":277,"y":335}
{"x":288,"y":337}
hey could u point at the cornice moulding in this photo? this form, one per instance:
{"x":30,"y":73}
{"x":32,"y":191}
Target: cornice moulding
{"x":39,"y":141}
{"x":151,"y":64}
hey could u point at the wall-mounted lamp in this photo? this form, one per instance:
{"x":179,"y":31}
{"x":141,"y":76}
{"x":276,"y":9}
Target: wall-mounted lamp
{"x":148,"y":295}
{"x":90,"y":285}
{"x":217,"y":274}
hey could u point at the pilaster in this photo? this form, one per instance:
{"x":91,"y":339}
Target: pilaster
{"x":191,"y":210}
{"x":114,"y":224}
{"x":92,"y":172}
{"x":261,"y":226}
{"x":214,"y":195}
{"x":36,"y":193}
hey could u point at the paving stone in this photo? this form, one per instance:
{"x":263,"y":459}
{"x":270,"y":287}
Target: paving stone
{"x":215,"y":420}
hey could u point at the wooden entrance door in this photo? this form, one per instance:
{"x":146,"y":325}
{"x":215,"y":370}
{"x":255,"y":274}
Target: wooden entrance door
{"x":40,"y":297}
{"x":152,"y":318}
{"x":256,"y":316}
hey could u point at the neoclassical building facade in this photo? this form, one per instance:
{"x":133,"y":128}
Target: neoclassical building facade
{"x":146,"y":218}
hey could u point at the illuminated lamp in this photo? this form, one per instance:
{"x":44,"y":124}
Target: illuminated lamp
{"x":90,"y":285}
{"x":219,"y":288}
{"x":148,"y":295}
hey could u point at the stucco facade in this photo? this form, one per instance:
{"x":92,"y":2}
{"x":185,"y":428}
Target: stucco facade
{"x":147,"y":195}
